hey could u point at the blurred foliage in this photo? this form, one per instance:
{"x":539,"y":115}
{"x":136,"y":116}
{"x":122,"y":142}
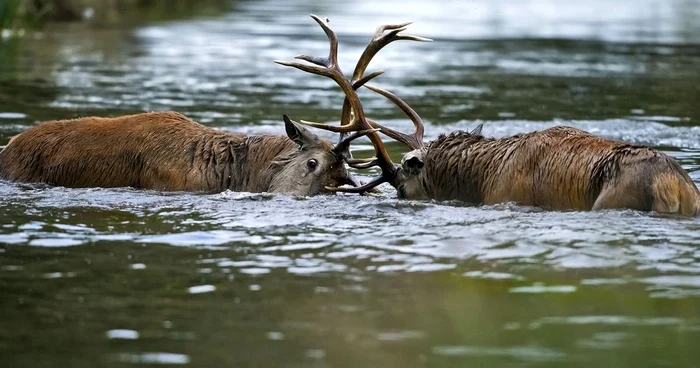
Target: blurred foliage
{"x":20,"y":14}
{"x":9,"y":12}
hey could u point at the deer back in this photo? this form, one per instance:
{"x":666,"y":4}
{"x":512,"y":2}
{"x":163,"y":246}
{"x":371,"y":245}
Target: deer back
{"x":159,"y":150}
{"x":559,"y":168}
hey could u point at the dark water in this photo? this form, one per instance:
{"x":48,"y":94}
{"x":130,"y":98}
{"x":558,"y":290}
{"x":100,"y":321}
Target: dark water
{"x":97,"y":277}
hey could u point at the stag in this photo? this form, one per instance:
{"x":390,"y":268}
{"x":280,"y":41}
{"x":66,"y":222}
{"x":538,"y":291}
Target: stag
{"x":168,"y":151}
{"x":560,"y":168}
{"x":353,"y":117}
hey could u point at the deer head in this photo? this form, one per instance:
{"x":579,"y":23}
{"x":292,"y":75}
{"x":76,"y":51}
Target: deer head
{"x":409,"y":181}
{"x":315,"y":165}
{"x":353,"y":118}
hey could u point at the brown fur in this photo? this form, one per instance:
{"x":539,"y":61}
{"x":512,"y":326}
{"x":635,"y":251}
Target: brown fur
{"x":558,"y":168}
{"x":12,"y":139}
{"x":166,"y":151}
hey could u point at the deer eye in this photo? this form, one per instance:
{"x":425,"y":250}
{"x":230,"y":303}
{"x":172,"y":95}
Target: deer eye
{"x":312,"y":164}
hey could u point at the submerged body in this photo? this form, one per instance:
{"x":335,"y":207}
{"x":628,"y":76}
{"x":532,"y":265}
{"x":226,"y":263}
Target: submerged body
{"x":558,"y":168}
{"x":168,"y":151}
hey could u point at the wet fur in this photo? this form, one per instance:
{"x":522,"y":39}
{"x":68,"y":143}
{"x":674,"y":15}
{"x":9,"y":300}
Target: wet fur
{"x":158,"y":150}
{"x":558,"y":168}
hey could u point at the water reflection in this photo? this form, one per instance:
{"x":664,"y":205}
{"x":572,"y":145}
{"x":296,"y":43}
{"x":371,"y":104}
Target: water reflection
{"x":95,"y":277}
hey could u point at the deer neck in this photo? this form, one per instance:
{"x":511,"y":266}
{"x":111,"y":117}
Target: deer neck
{"x":256,"y":160}
{"x":463,"y":166}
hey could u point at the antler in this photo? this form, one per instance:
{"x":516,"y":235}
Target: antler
{"x":358,"y":80}
{"x":414,"y":140}
{"x":329,"y":67}
{"x":342,"y":149}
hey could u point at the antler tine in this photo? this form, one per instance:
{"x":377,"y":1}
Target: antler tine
{"x":362,"y":81}
{"x":343,"y":147}
{"x":378,"y":42}
{"x":326,"y":67}
{"x":329,"y":67}
{"x":304,"y":67}
{"x":404,"y":138}
{"x":359,"y":164}
{"x":332,"y":60}
{"x":415,"y":140}
{"x":345,"y":114}
{"x":361,"y":189}
{"x":331,"y":128}
{"x":360,"y":161}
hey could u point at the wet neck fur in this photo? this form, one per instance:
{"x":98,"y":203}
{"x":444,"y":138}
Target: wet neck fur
{"x":251,"y":164}
{"x":461,"y":165}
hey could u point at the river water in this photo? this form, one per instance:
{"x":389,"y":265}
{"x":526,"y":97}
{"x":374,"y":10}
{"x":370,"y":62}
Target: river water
{"x":110,"y":277}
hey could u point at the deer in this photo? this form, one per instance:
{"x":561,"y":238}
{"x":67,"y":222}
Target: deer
{"x":560,"y":168}
{"x":168,"y":151}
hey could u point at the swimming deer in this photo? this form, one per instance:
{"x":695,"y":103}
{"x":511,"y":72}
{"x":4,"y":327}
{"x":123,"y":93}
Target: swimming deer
{"x":561,"y":168}
{"x":168,"y":151}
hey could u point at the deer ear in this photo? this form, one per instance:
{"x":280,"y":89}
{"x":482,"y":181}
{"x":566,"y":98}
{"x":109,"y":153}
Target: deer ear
{"x":477,"y":130}
{"x":298,"y":134}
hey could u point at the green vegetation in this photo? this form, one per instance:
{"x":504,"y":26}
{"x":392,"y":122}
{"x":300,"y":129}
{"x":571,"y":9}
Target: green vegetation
{"x":22,"y":14}
{"x":9,"y":12}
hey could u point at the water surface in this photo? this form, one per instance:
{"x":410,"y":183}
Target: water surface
{"x":102,"y":277}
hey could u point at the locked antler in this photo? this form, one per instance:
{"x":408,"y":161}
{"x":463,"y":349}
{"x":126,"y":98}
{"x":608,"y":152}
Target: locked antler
{"x":380,"y":40}
{"x":359,"y":123}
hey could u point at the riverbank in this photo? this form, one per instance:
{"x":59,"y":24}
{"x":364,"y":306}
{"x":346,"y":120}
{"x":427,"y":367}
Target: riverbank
{"x":16,"y":16}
